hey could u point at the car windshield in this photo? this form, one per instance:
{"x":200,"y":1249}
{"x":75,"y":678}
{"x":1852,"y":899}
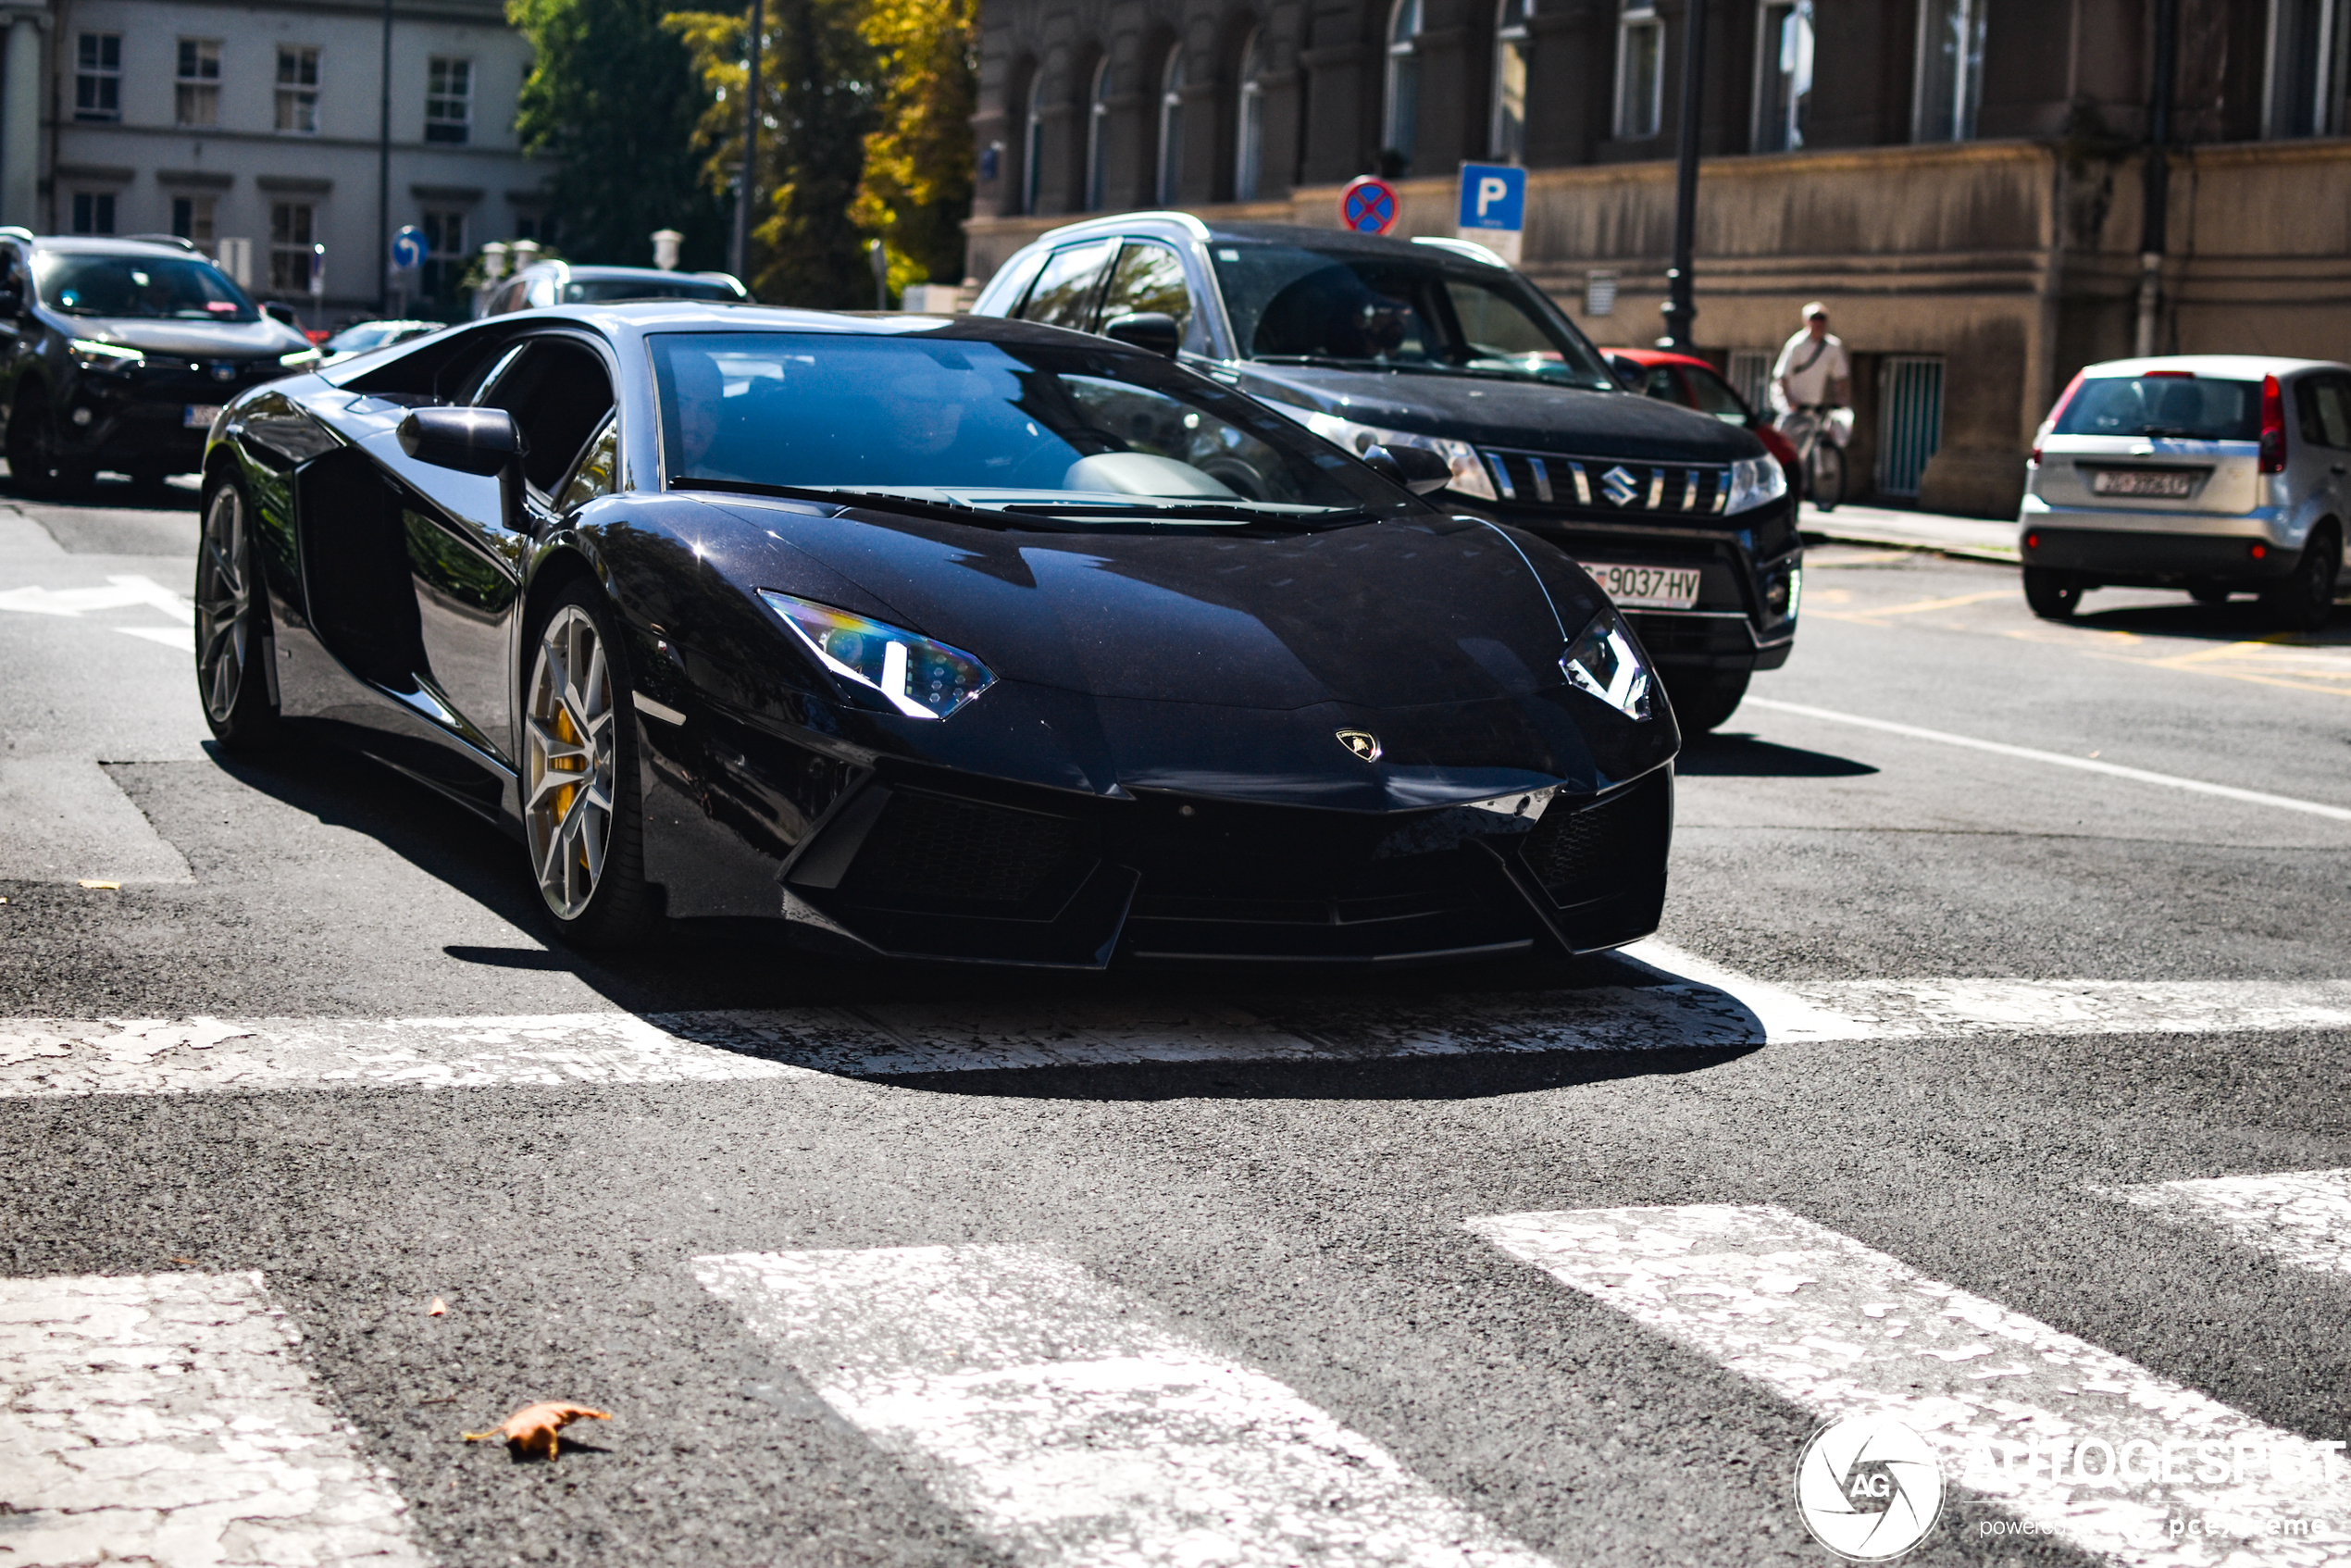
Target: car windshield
{"x":1089,"y":436}
{"x":169,"y":286}
{"x":372,"y":334}
{"x":1712,"y":395}
{"x":1397,"y":312}
{"x":604,"y":290}
{"x":2194,"y":406}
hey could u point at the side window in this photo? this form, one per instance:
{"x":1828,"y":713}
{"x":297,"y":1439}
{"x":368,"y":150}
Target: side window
{"x":1150,"y":277}
{"x":559,"y":394}
{"x":1064,"y":295}
{"x":2325,"y":410}
{"x":598,"y":473}
{"x":1659,"y":384}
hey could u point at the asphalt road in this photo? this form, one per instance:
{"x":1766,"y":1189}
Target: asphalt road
{"x":851,"y":1307}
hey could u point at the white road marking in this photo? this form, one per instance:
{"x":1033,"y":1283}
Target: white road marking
{"x":121,"y":594}
{"x":165,"y":1420}
{"x":2058,"y":759}
{"x":175,"y":638}
{"x":1841,"y":1330}
{"x":1050,"y":1410}
{"x":2303,"y":1217}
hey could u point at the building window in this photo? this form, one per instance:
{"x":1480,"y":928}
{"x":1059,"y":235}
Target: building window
{"x":1641,"y":70}
{"x":1032,"y":151}
{"x":196,"y":90}
{"x":1248,"y":141}
{"x":298,"y":90}
{"x":93,"y":212}
{"x":289,"y":252}
{"x":1171,"y":129}
{"x":2306,"y":88}
{"x":1783,"y":76}
{"x":1508,"y":139}
{"x":1950,"y":69}
{"x":444,"y":253}
{"x":1098,"y":137}
{"x":1401,"y":130}
{"x":449,"y":99}
{"x":192,"y":220}
{"x":98,"y":77}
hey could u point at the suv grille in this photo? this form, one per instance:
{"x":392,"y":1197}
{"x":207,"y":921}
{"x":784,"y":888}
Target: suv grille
{"x":1603,"y":484}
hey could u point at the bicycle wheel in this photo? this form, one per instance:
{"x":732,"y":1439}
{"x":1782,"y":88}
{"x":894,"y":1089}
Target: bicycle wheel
{"x":1824,"y":480}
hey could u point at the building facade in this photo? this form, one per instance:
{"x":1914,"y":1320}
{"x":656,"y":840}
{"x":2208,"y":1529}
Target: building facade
{"x":254,"y":130}
{"x":1962,"y":181}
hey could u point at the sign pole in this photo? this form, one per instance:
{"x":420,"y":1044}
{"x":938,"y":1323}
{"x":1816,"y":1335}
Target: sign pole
{"x":1681,"y":308}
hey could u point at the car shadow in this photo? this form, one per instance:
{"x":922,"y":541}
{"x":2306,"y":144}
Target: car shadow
{"x":2242,"y":620}
{"x":1737,"y":755}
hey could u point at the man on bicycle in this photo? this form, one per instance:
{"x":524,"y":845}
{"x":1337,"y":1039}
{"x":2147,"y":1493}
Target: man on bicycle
{"x":1810,"y":387}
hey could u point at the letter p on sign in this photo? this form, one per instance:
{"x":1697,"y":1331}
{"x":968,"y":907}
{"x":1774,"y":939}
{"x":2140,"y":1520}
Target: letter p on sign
{"x":1491,"y":187}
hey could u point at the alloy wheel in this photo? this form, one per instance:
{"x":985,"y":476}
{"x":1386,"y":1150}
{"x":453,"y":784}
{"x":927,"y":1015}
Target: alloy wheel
{"x":570,"y":762}
{"x":224,"y":604}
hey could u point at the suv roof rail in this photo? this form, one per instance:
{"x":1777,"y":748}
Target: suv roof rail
{"x":179,"y":241}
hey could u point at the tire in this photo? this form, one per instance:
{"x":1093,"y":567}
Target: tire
{"x":585,"y":839}
{"x":232,"y":623}
{"x":1705,"y":701}
{"x":2302,"y":601}
{"x":2053,"y":595}
{"x":35,"y":466}
{"x":2208,"y":593}
{"x":1824,"y":486}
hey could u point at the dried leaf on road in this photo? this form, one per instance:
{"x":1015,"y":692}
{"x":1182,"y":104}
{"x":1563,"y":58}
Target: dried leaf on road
{"x":104,"y":887}
{"x":438,"y":1308}
{"x":531,"y":1430}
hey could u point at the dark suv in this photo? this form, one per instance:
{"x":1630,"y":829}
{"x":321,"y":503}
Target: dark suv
{"x":1437,"y":345}
{"x":116,"y":354}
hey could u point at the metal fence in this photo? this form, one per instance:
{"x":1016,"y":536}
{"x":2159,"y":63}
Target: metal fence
{"x":1909,"y":420}
{"x":1751,"y":377}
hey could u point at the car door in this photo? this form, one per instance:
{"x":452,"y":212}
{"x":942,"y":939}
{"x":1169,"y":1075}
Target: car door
{"x":2322,"y":401}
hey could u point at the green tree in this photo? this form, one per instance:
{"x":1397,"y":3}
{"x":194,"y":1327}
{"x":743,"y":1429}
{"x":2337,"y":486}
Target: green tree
{"x":613,"y":101}
{"x":917,"y":187}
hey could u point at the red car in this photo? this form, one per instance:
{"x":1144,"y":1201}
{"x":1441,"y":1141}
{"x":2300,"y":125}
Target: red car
{"x":1692,"y":383}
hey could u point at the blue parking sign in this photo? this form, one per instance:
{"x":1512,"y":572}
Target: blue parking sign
{"x":1493,"y":197}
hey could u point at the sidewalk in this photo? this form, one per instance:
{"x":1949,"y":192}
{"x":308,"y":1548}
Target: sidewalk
{"x":1972,"y":537}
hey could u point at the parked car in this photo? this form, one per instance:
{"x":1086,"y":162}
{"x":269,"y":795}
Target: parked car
{"x":546,"y":283}
{"x":361,"y":336}
{"x":971,"y":640}
{"x":1435,"y":346}
{"x":2216,"y":473}
{"x":117,"y":354}
{"x":1692,"y":382}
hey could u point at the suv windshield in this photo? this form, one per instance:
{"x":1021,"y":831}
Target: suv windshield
{"x":2177,"y":404}
{"x":1072,"y":433}
{"x":174,"y":288}
{"x":1397,"y":312}
{"x":605,"y":290}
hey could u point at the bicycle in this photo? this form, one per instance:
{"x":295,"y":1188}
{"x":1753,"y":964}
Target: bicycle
{"x":1818,"y":457}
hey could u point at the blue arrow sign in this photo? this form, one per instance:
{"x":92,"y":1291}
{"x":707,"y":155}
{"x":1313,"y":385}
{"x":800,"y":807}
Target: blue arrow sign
{"x":1493,"y":197}
{"x":408,"y":248}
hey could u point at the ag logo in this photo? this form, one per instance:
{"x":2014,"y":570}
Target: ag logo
{"x":1362,"y":742}
{"x":1620,"y":486}
{"x":1868,"y":1488}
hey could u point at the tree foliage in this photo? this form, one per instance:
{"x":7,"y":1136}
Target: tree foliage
{"x":613,"y":101}
{"x":918,"y":184}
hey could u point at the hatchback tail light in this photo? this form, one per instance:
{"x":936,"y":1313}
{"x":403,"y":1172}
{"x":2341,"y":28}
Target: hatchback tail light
{"x":2272,"y":427}
{"x":2057,"y":412}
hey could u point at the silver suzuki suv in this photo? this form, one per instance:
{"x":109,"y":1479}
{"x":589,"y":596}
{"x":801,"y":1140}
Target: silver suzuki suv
{"x":2214,"y":473}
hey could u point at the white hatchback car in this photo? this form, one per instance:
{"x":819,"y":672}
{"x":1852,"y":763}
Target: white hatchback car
{"x":2213,"y":473}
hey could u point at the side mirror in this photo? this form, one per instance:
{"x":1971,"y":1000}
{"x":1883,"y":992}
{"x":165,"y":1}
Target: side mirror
{"x":279,"y":312}
{"x":1415,"y":468}
{"x":471,"y":441}
{"x":1153,"y":329}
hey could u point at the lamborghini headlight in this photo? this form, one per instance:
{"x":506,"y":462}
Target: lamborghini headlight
{"x":1470,"y":477}
{"x":92,"y":355}
{"x":1604,"y":661}
{"x":1754,"y":481}
{"x":919,"y":678}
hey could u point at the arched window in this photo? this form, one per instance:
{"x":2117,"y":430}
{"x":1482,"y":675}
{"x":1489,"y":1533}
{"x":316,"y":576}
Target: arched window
{"x":1248,"y":143}
{"x":1950,"y":82}
{"x":1402,"y":131}
{"x":2307,"y":91}
{"x":1171,"y":129}
{"x":1640,"y":70}
{"x":1032,"y":150}
{"x":1098,"y":137}
{"x":1510,"y":47}
{"x":1783,"y":76}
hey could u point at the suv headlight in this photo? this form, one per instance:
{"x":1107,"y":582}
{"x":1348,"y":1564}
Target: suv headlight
{"x":299,"y":357}
{"x":1604,"y":661}
{"x":92,"y":355}
{"x":1755,"y":480}
{"x":1468,"y":474}
{"x":920,"y":679}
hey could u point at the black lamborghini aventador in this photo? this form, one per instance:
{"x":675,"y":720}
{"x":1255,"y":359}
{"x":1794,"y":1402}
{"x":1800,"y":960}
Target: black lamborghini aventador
{"x":979,"y":640}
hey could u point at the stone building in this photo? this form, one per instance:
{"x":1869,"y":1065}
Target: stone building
{"x":254,"y":130}
{"x":1961,"y":181}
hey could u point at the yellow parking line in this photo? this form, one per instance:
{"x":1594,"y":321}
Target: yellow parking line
{"x":2224,"y":650}
{"x":1923,"y":605}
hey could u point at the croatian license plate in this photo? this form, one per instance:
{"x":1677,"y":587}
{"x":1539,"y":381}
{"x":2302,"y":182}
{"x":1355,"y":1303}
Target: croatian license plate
{"x":199,"y":416}
{"x":1655,"y":588}
{"x":2168,"y":484}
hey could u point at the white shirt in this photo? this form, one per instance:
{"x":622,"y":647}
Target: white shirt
{"x":1809,"y":373}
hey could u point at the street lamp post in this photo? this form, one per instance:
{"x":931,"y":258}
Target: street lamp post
{"x":383,"y":174}
{"x":1680,"y":309}
{"x":747,"y":190}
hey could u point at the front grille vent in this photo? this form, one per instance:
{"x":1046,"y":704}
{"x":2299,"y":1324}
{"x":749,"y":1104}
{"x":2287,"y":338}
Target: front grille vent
{"x":1603,"y":849}
{"x":1603,"y":484}
{"x":930,"y":849}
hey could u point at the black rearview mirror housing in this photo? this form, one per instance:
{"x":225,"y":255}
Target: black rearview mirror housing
{"x":1153,"y":329}
{"x":471,"y":441}
{"x":1415,"y":468}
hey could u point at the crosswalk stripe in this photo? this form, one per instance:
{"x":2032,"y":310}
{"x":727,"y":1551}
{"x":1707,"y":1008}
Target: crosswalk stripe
{"x":2302,"y":1217}
{"x":2028,"y":1416}
{"x":164,"y":1419}
{"x":1052,"y":1413}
